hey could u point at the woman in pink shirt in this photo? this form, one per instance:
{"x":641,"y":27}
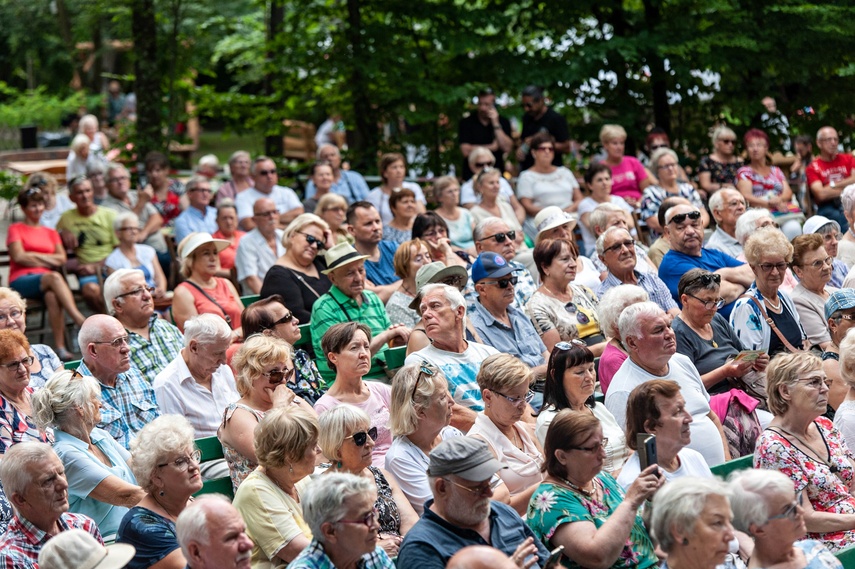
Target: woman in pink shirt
{"x":629,"y":176}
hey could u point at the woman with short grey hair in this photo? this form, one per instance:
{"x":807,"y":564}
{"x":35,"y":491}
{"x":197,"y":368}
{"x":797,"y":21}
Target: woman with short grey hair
{"x":100,"y":482}
{"x":766,"y":508}
{"x":239,"y":165}
{"x":611,"y":305}
{"x":666,"y":167}
{"x":339,"y":509}
{"x":130,"y":254}
{"x":166,"y":465}
{"x":691,"y":522}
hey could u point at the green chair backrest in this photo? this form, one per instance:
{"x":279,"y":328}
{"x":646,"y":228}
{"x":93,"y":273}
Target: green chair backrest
{"x":724,"y":469}
{"x":72,"y":365}
{"x":217,"y":486}
{"x":210,"y":447}
{"x":395,"y":357}
{"x":305,"y":336}
{"x":846,"y":557}
{"x":249,"y":299}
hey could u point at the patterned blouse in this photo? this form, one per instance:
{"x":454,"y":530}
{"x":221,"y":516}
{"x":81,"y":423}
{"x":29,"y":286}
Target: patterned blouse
{"x":387,"y":510}
{"x":577,"y":319}
{"x":239,"y":465}
{"x":720,"y":172}
{"x":826,"y":484}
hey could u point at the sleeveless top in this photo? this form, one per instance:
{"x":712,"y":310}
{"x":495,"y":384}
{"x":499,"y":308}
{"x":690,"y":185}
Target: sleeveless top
{"x":223,"y":295}
{"x":387,"y":510}
{"x":239,"y":465}
{"x":523,"y":465}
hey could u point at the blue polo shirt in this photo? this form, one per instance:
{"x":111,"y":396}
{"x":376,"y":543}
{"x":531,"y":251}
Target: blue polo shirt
{"x":382,"y":272}
{"x":432,"y":541}
{"x":675,"y":264}
{"x":520,"y":339}
{"x":191,"y":219}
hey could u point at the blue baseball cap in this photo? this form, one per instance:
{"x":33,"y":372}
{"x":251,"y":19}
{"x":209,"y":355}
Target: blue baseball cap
{"x":490,"y":266}
{"x":842,"y":299}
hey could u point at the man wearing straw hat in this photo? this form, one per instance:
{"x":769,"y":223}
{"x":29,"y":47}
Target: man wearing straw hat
{"x":348,"y":301}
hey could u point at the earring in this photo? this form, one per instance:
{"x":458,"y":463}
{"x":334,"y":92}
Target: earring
{"x":685,"y":541}
{"x":338,"y":464}
{"x":290,"y":469}
{"x":160,"y":493}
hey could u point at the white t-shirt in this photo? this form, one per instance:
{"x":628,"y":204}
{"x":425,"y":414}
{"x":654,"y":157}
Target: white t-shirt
{"x":284,"y":198}
{"x":460,"y":370}
{"x":555,"y":188}
{"x":706,"y":438}
{"x":691,"y":464}
{"x":468,"y":194}
{"x":381,"y":200}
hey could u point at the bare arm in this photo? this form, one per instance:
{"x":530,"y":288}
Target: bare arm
{"x":745,"y":188}
{"x":153,"y":225}
{"x":289,"y":216}
{"x":174,"y":560}
{"x":529,"y":207}
{"x":253,"y":282}
{"x":293,"y":548}
{"x":823,"y":522}
{"x":238,"y":433}
{"x":23,"y":258}
{"x":113,"y":490}
{"x":394,"y":331}
{"x":183,"y":307}
{"x":742,"y":275}
{"x":409,"y":517}
{"x":462,"y":417}
{"x":519,"y":210}
{"x":385,"y":292}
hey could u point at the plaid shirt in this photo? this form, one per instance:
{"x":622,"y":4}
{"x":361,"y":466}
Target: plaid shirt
{"x":655,"y":287}
{"x":22,"y":542}
{"x":313,"y":557}
{"x":150,"y":356}
{"x":335,"y":307}
{"x":127,"y":407}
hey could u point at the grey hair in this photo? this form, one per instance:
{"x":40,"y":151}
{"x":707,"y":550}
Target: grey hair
{"x":679,"y":503}
{"x":848,"y":198}
{"x":412,"y":392}
{"x":601,"y":240}
{"x":298,"y":223}
{"x":613,"y":303}
{"x":629,"y":323}
{"x":323,"y":147}
{"x":747,"y":223}
{"x":258,"y":160}
{"x":237,"y":154}
{"x":326,"y":499}
{"x":451,"y":294}
{"x":335,"y":424}
{"x":79,"y":141}
{"x":91,"y":330}
{"x":226,"y":203}
{"x":481,"y":226}
{"x":195,"y":181}
{"x":600,"y":215}
{"x":123,"y":217}
{"x":751,"y":491}
{"x":112,"y":167}
{"x":479,"y":152}
{"x":13,"y":468}
{"x":828,"y":227}
{"x":209,"y":160}
{"x":206,"y":329}
{"x":721,"y":131}
{"x":847,"y":356}
{"x":165,"y":435}
{"x":659,"y":154}
{"x":716,"y":202}
{"x":113,"y":287}
{"x":62,"y":395}
{"x":192,"y":522}
{"x":87,"y":120}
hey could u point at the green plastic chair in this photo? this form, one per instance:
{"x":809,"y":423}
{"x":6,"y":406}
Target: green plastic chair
{"x":212,"y":449}
{"x":217,"y":486}
{"x":249,"y":299}
{"x":724,"y":469}
{"x":72,"y":365}
{"x":847,"y":557}
{"x":395,"y":357}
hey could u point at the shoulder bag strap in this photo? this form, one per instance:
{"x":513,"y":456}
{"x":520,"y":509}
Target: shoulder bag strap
{"x":209,"y":297}
{"x":772,"y":325}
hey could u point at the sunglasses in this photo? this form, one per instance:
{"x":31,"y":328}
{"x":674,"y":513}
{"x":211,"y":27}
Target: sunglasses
{"x":360,"y":438}
{"x":658,"y":146}
{"x":708,"y":278}
{"x":285,"y":319}
{"x":500,"y":237}
{"x":681,"y":217}
{"x":312,"y":240}
{"x":503,"y":283}
{"x":628,"y":243}
{"x":727,"y":140}
{"x":483,"y":164}
{"x":266,"y":172}
{"x":424,"y":370}
{"x":581,"y":317}
{"x":564,"y":346}
{"x":277,"y":376}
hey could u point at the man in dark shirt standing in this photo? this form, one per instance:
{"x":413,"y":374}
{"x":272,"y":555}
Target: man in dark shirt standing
{"x":485,"y":128}
{"x":539,"y":117}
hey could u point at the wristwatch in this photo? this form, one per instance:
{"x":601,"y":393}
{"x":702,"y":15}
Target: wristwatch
{"x":833,"y":184}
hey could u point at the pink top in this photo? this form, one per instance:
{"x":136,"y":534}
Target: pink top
{"x":610,"y":362}
{"x":222,"y":293}
{"x":377,"y":406}
{"x":626,"y":177}
{"x":227,"y":255}
{"x":37,"y":239}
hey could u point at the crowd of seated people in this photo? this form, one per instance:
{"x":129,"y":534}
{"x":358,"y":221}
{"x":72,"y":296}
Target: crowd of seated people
{"x":547,"y":325}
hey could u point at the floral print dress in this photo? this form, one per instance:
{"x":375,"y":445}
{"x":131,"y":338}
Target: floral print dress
{"x":552,"y":506}
{"x":826,"y":485}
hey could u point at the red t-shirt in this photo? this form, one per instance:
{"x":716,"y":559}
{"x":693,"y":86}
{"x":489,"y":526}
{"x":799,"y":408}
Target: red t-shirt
{"x":227,"y":255}
{"x":826,"y":172}
{"x":34,"y":240}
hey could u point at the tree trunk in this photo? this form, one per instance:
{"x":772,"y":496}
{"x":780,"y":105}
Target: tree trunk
{"x":366,"y":138}
{"x":273,"y":145}
{"x":148,"y":81}
{"x":658,"y":74}
{"x":64,"y":21}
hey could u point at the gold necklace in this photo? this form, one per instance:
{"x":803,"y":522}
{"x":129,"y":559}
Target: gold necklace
{"x":589,"y":493}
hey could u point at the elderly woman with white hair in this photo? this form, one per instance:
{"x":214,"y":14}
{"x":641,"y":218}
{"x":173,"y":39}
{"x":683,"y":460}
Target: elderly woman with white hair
{"x":766,"y":507}
{"x":166,"y":465}
{"x":297,"y":276}
{"x":691,"y":523}
{"x":611,"y":305}
{"x":748,"y":224}
{"x":666,"y":165}
{"x":133,"y":255}
{"x":239,"y":166}
{"x":101,"y":484}
{"x":340,"y":512}
{"x":270,"y":499}
{"x":79,"y":157}
{"x":844,"y":415}
{"x":718,"y":169}
{"x":346,"y":440}
{"x":479,"y":159}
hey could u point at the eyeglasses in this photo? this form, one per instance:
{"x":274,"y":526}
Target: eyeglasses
{"x":516,"y":400}
{"x":119,"y":179}
{"x":270,"y":213}
{"x":129,"y":229}
{"x":502,"y":283}
{"x":708,"y":304}
{"x":335,"y":208}
{"x":137,"y":291}
{"x":668,"y":167}
{"x":563,"y":346}
{"x":819,"y":263}
{"x":206,"y":190}
{"x":767,"y":267}
{"x":265,"y":172}
{"x":360,"y":438}
{"x":13,"y":366}
{"x":628,"y":243}
{"x":12,"y":315}
{"x":594,"y":448}
{"x":483,"y":164}
{"x":833,"y":139}
{"x":790,"y":512}
{"x":368,"y":520}
{"x":425,"y":369}
{"x":768,"y":223}
{"x":814,"y":382}
{"x":733,"y":204}
{"x":276,"y":376}
{"x":681,"y":217}
{"x":117,"y":343}
{"x":478,"y":490}
{"x":658,"y":146}
{"x":500,"y":237}
{"x":312,"y":240}
{"x":545,"y":149}
{"x":182,"y":463}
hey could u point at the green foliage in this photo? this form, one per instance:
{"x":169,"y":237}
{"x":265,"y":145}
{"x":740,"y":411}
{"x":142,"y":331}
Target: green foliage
{"x":37,"y":107}
{"x":10,"y":185}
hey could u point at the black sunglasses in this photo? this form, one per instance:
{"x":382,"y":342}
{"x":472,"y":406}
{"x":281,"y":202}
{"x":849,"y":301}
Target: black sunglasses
{"x":360,"y":438}
{"x":707,"y":278}
{"x":504,"y":283}
{"x":483,"y":164}
{"x":287,"y":318}
{"x":265,"y":172}
{"x":425,"y":369}
{"x":681,"y":217}
{"x":312,"y":240}
{"x":500,"y":237}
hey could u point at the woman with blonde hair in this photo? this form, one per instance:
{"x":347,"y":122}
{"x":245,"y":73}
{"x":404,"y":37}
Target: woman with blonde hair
{"x":629,"y":176}
{"x":446,"y":192}
{"x":409,"y":258}
{"x":297,"y":276}
{"x":332,"y":208}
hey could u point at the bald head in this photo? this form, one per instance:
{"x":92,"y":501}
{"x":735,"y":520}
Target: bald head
{"x":480,"y":557}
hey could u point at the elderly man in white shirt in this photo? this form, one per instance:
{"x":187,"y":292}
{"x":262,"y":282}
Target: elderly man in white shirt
{"x":198,"y":384}
{"x":259,"y":249}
